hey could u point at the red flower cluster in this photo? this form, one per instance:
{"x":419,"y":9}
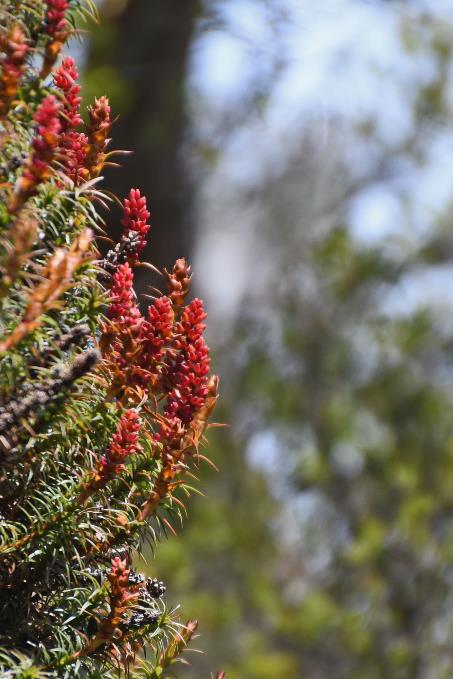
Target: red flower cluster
{"x":188,"y":375}
{"x":57,"y":28}
{"x":133,"y":239}
{"x":123,"y":309}
{"x":139,"y":345}
{"x":156,"y":331}
{"x":163,"y":355}
{"x":156,"y":354}
{"x":65,"y":78}
{"x":44,"y":145}
{"x":15,"y":47}
{"x":73,"y":145}
{"x":56,"y":21}
{"x":45,"y":141}
{"x":124,"y":444}
{"x":135,"y":218}
{"x":74,"y":149}
{"x":162,"y":358}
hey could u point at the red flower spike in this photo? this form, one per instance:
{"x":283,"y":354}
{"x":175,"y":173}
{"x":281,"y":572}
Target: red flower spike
{"x":47,"y":117}
{"x":191,"y":325}
{"x":15,"y":47}
{"x":188,"y":376}
{"x":100,"y":116}
{"x":56,"y":21}
{"x":121,"y":339}
{"x":44,"y":145}
{"x":57,"y":28}
{"x":65,"y":78}
{"x":171,"y":431}
{"x":143,"y":367}
{"x":138,"y":346}
{"x":73,"y":150}
{"x":74,"y":145}
{"x":156,"y":330}
{"x":123,"y":309}
{"x":135,"y":219}
{"x":124,"y":443}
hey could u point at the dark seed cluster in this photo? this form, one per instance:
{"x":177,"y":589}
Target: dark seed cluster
{"x":139,"y":620}
{"x":155,"y":588}
{"x":149,"y":588}
{"x":136,"y":578}
{"x":124,"y":250}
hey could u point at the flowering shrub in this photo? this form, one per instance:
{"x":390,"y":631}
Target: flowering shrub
{"x":102,"y":407}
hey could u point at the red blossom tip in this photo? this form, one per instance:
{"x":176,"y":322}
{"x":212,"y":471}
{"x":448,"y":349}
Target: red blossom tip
{"x":99,"y":114}
{"x":56,"y":21}
{"x":65,"y":78}
{"x":119,"y":583}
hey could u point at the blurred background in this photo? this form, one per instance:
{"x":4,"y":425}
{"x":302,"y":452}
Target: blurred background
{"x":300,"y":154}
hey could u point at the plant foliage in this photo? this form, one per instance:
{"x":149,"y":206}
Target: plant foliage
{"x":102,"y":408}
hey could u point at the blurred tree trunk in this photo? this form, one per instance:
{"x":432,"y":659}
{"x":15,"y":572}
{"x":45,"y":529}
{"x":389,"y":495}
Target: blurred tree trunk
{"x":146,"y":46}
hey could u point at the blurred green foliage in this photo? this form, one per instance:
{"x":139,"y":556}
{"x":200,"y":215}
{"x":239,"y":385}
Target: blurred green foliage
{"x":354,"y":582}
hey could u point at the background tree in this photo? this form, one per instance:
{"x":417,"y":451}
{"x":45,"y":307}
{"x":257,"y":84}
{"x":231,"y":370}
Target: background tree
{"x":141,"y":49}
